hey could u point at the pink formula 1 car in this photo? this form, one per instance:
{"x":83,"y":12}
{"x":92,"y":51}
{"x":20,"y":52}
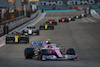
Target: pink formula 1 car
{"x":50,"y":52}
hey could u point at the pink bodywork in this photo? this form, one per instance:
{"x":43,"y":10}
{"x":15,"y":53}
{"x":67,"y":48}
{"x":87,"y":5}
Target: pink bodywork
{"x":51,"y":48}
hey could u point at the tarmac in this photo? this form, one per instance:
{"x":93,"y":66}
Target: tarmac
{"x":82,"y":34}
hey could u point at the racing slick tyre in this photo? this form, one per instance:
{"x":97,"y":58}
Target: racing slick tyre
{"x":55,"y":23}
{"x":70,"y":51}
{"x":29,"y":53}
{"x":47,"y":23}
{"x":37,"y":32}
{"x":59,"y":21}
{"x":73,"y":19}
{"x":67,"y":20}
{"x":25,"y":39}
{"x":52,"y":27}
{"x":9,"y":39}
{"x":42,"y":28}
{"x":85,"y":15}
{"x":80,"y":16}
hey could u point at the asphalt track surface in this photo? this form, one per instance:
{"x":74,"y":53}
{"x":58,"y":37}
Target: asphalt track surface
{"x":82,"y":34}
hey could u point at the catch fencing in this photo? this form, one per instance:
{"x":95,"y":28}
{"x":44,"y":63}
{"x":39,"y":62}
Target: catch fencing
{"x":9,"y":16}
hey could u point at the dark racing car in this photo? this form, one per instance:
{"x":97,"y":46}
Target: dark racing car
{"x":63,"y":20}
{"x":80,"y":16}
{"x":52,"y":21}
{"x":71,"y":18}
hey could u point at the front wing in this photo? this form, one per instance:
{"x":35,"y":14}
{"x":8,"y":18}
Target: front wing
{"x":54,"y":57}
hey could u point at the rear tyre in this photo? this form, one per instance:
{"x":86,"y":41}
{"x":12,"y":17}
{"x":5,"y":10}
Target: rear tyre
{"x":85,"y":15}
{"x":67,"y":20}
{"x":73,"y":19}
{"x":29,"y":52}
{"x":42,"y":28}
{"x":80,"y":16}
{"x":8,"y":39}
{"x":59,"y":21}
{"x":38,"y":32}
{"x":26,"y":39}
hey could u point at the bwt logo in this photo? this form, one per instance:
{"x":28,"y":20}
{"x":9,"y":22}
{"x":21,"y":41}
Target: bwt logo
{"x":38,"y":43}
{"x":67,"y":2}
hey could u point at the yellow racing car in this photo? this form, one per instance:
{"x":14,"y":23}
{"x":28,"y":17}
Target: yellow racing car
{"x":46,"y":27}
{"x":17,"y":39}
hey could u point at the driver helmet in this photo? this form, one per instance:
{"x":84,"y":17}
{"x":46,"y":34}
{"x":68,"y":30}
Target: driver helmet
{"x":48,"y":41}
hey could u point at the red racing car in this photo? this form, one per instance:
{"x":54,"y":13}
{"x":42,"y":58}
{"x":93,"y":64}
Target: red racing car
{"x":52,"y":21}
{"x":64,"y":20}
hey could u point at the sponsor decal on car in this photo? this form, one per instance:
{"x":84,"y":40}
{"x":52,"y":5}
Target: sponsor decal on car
{"x":50,"y":57}
{"x":70,"y":56}
{"x":38,"y":43}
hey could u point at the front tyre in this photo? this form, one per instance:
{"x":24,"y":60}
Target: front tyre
{"x":29,"y":52}
{"x":70,"y":51}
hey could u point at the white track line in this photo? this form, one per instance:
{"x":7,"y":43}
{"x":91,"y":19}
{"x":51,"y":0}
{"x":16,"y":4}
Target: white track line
{"x":32,"y":22}
{"x":85,"y":20}
{"x":91,"y":20}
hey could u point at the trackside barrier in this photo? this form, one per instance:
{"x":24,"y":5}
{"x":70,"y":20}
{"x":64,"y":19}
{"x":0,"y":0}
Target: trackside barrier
{"x":95,"y":14}
{"x":2,"y":41}
{"x":60,"y":10}
{"x":15,"y":24}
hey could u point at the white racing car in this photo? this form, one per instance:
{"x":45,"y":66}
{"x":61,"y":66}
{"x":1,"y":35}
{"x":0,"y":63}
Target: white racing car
{"x":83,"y":15}
{"x":71,"y":18}
{"x":31,"y":30}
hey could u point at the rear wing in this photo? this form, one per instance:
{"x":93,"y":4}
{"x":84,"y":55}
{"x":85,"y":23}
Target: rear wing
{"x":38,"y":43}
